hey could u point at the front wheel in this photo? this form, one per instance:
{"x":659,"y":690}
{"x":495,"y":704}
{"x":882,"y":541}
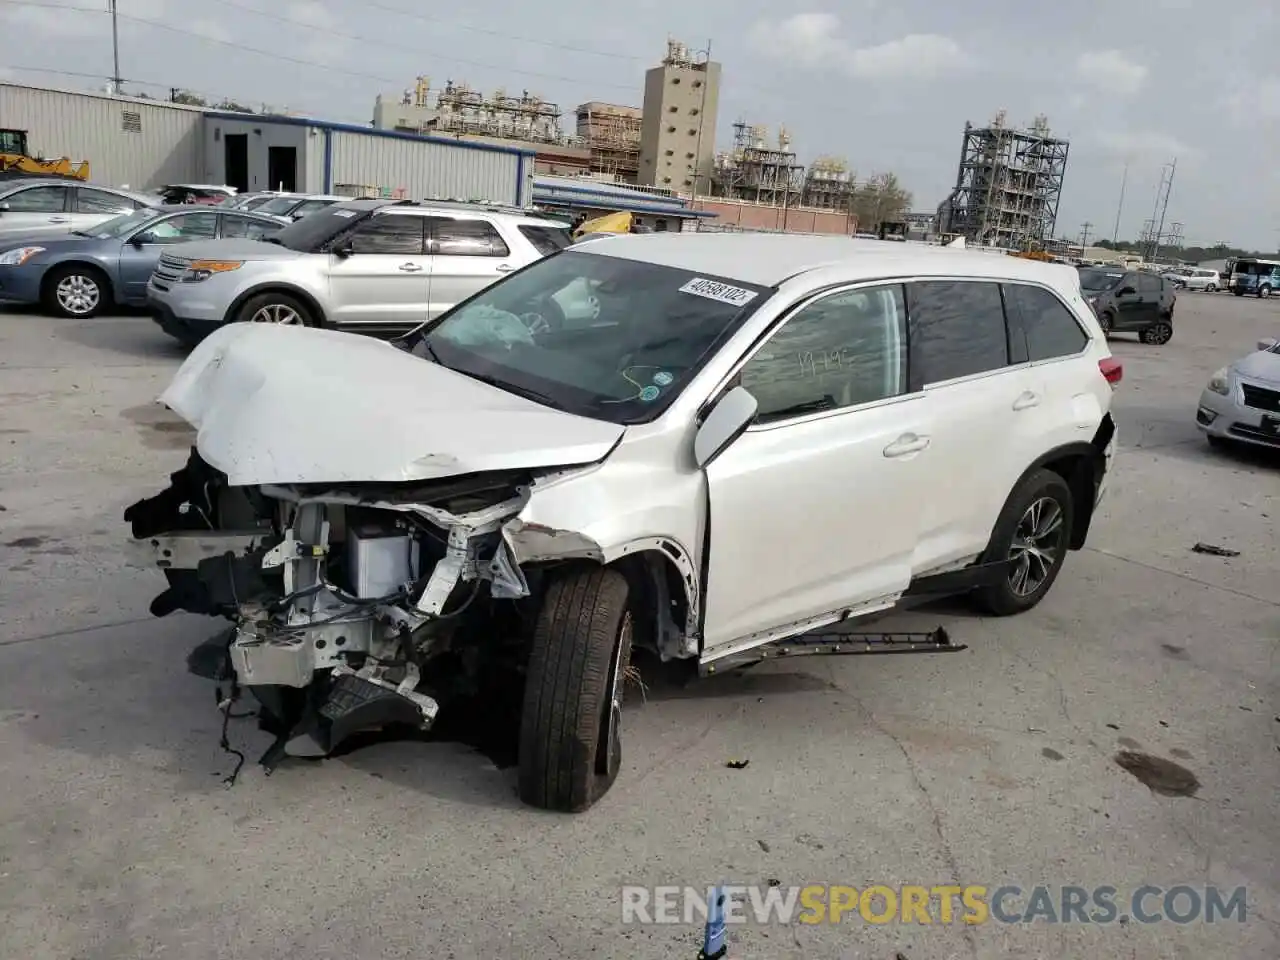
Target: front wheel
{"x":1211,"y":288}
{"x":1032,"y":534}
{"x":1106,"y":321}
{"x":75,"y":291}
{"x":1264,"y":292}
{"x":570,"y":727}
{"x":1158,"y":334}
{"x":277,"y":308}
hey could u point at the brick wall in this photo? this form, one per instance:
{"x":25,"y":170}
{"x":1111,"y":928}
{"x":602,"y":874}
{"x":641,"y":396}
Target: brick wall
{"x":756,"y":216}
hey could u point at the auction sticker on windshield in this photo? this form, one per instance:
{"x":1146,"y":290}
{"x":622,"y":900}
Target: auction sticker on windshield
{"x":714,"y":290}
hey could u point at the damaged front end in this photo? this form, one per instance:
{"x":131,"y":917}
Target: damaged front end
{"x":347,"y":602}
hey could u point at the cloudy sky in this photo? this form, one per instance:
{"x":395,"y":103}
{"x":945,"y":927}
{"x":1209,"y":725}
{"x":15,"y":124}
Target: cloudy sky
{"x":887,"y":84}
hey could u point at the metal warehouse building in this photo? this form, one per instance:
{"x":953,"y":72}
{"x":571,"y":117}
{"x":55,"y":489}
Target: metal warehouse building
{"x":145,"y":143}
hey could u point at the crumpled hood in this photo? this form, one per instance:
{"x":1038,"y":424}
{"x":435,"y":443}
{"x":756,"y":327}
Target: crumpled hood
{"x":1262,"y":365}
{"x":233,"y":249}
{"x":287,"y":405}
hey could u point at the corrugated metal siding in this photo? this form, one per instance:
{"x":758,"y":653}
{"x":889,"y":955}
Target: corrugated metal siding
{"x":312,"y":164}
{"x":418,"y":170}
{"x":168,"y":148}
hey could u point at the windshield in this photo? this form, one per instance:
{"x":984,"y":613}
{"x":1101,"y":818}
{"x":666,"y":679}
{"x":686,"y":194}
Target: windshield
{"x":121,"y":225}
{"x":597,"y":336}
{"x":310,"y":206}
{"x":278,"y":205}
{"x":1096,"y":281}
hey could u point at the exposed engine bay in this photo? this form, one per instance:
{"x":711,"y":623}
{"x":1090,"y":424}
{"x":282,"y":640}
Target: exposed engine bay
{"x":354,"y":607}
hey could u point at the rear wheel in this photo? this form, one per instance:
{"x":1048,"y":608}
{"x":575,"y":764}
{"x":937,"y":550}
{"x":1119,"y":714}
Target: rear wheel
{"x":277,"y":308}
{"x":76,"y":291}
{"x":1264,"y":292}
{"x":1211,"y":288}
{"x":1106,"y":320}
{"x":1158,"y":334}
{"x":1032,"y":534}
{"x":570,"y":728}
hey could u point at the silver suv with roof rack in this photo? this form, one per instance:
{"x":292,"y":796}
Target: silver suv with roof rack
{"x":370,"y":266}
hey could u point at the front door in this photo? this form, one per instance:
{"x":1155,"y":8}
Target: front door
{"x":282,"y":169}
{"x":140,"y":254}
{"x":385,"y":279}
{"x":813,"y":509}
{"x":1130,"y":306}
{"x":468,"y":254}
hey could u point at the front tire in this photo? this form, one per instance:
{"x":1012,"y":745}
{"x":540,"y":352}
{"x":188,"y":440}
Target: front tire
{"x":1106,"y":321}
{"x":275,"y":308}
{"x":570,"y":743}
{"x":1032,"y":533}
{"x":1211,"y":288}
{"x":76,"y":291}
{"x":1264,"y":292}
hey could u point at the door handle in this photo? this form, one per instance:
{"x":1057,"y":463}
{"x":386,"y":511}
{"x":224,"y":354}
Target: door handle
{"x":410,"y":267}
{"x":504,"y":268}
{"x":59,"y":219}
{"x":1027,"y":399}
{"x":905,"y":444}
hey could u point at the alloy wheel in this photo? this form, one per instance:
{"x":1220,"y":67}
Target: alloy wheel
{"x":1037,"y":546}
{"x":78,"y":294}
{"x":277,"y":313}
{"x":611,"y":742}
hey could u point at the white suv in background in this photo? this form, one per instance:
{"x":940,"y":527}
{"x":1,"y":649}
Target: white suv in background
{"x":745,"y":438}
{"x":371,"y":266}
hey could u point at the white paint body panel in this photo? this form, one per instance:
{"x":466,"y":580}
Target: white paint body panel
{"x":279,"y":405}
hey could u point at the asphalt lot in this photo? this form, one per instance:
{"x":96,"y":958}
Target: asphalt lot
{"x":992,"y":766}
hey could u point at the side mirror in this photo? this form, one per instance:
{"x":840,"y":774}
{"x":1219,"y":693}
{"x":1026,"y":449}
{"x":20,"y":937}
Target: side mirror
{"x":344,"y":250}
{"x":4,"y":208}
{"x":724,"y":424}
{"x":1267,"y":343}
{"x":1125,"y":292}
{"x":141,"y":239}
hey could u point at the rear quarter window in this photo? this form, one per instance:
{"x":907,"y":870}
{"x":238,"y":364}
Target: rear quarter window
{"x":1047,"y":325}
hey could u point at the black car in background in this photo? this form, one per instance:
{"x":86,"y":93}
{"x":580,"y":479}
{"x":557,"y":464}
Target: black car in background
{"x":1130,"y":301}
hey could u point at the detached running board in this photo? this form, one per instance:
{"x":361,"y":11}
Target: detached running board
{"x":841,"y":645}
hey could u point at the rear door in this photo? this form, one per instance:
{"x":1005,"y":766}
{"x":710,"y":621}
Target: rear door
{"x":467,"y":254}
{"x":386,"y":278}
{"x":1130,"y":308}
{"x":92,"y":207}
{"x":1151,"y":293}
{"x":44,"y":207}
{"x":986,"y":411}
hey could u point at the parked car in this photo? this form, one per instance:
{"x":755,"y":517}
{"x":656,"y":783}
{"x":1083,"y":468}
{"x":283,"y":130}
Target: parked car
{"x":202,"y":193}
{"x":1199,"y":278}
{"x":1241,"y":403}
{"x":1129,"y":301}
{"x":81,"y":273}
{"x":1259,"y":278}
{"x":252,"y":201}
{"x":377,"y":266}
{"x":752,"y":437}
{"x":296,"y":206}
{"x":39,"y":207}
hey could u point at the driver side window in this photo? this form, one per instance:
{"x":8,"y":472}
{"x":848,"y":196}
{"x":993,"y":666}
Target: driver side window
{"x":845,"y":349}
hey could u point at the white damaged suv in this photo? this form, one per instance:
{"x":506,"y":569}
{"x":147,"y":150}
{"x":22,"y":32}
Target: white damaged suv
{"x":695,"y":444}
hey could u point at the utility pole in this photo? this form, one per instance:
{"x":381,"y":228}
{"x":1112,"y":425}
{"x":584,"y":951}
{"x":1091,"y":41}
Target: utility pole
{"x":1124,"y":180}
{"x":1162,"y":207}
{"x":116,"y":80}
{"x":1084,"y":236}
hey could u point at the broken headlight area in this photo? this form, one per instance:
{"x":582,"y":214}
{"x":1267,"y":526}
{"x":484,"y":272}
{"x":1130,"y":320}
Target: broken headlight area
{"x":348,"y":604}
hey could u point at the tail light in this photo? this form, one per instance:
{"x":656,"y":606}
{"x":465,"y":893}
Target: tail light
{"x":1112,"y":370}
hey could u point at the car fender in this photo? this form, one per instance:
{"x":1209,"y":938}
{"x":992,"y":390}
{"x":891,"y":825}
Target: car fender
{"x":81,"y":259}
{"x":308,"y":298}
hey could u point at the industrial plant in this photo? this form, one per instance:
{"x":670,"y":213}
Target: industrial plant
{"x":1008,"y":185}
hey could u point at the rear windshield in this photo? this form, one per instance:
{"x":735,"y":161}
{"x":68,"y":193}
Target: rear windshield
{"x":1098,"y":280}
{"x":546,"y":240}
{"x":278,"y":205}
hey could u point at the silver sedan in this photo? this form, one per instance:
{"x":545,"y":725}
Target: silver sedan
{"x":1241,"y":402}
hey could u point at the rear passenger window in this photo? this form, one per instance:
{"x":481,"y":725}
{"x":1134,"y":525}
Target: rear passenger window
{"x":1048,"y":325}
{"x":390,"y":234}
{"x":468,"y":238}
{"x":846,"y":349}
{"x":957,"y":329}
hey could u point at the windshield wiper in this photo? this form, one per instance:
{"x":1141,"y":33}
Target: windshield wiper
{"x":525,"y":392}
{"x":275,"y":240}
{"x":81,"y":233}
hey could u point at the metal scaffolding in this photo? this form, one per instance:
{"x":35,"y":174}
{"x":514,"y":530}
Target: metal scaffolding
{"x":756,"y":171}
{"x":1008,"y":185}
{"x":612,"y":133}
{"x":460,"y":109}
{"x":828,"y":185}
